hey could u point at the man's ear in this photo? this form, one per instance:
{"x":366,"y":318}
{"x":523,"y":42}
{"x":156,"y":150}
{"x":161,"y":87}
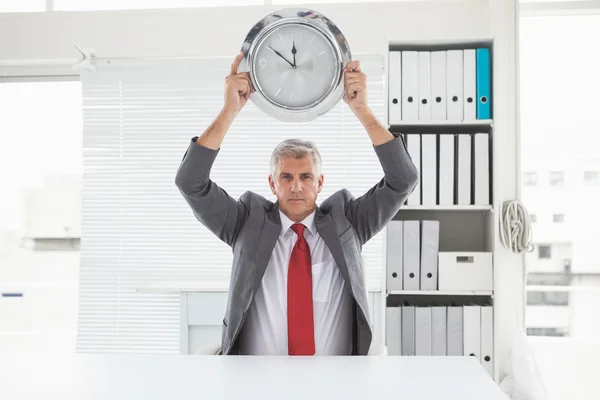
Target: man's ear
{"x":320,"y":183}
{"x":271,"y":184}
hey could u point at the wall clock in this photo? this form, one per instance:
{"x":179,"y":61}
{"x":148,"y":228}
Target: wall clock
{"x":295,"y":59}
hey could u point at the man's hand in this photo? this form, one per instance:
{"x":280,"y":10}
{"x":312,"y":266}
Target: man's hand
{"x":238,"y":87}
{"x":355,"y":95}
{"x":355,"y":88}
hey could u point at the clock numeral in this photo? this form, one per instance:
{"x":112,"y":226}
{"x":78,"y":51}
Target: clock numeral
{"x":292,"y":96}
{"x":262,"y":63}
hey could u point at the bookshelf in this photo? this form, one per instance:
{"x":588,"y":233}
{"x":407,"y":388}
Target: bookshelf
{"x":488,"y":293}
{"x":466,"y":219}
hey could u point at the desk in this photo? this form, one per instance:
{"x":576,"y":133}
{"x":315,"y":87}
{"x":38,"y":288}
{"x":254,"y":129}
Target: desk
{"x":176,"y":377}
{"x":202,"y":308}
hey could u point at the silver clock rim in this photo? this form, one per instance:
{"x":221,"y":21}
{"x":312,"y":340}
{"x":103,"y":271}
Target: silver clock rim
{"x":315,"y":20}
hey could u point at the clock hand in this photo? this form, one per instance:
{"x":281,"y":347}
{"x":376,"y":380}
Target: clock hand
{"x":294,"y":53}
{"x":279,"y":54}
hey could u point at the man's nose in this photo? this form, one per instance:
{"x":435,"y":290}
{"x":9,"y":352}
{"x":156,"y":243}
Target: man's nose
{"x":296,"y":185}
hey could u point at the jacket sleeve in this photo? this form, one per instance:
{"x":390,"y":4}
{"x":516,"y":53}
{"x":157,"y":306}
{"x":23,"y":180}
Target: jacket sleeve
{"x":211,"y":205}
{"x":372,"y":211}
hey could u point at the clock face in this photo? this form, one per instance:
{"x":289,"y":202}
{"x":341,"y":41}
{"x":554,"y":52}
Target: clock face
{"x":295,"y":66}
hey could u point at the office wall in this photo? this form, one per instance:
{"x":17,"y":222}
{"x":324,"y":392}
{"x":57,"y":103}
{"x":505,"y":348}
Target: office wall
{"x":221,"y":31}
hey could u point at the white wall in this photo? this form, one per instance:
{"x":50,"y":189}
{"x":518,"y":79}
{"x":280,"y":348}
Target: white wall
{"x":202,"y":31}
{"x":369,"y":28}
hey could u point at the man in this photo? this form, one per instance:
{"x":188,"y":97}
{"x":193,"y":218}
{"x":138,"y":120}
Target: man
{"x":297,"y":283}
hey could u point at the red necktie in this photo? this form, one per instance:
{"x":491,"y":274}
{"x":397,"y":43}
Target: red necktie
{"x":301,"y":336}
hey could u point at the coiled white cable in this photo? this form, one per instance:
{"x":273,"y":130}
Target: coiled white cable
{"x":515,"y":227}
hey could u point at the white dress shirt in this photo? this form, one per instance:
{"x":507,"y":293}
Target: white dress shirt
{"x":265,"y":327}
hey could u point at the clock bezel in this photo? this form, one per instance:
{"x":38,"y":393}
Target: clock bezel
{"x":317,"y":21}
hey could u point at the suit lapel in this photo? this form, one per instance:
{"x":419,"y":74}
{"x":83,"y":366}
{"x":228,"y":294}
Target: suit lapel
{"x":267,"y":244}
{"x":326,"y":230}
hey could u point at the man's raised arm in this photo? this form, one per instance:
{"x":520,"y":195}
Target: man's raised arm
{"x":211,"y":205}
{"x":372,"y":211}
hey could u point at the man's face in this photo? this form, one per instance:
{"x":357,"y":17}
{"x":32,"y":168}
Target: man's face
{"x":296,"y":186}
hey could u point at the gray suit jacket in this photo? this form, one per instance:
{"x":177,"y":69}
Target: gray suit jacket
{"x":251,"y":226}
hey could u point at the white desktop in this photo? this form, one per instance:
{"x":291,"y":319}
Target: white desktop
{"x":116,"y":377}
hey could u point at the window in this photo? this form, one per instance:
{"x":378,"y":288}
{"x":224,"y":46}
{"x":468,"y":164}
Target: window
{"x":530,"y":179}
{"x":547,"y":332}
{"x":544,"y":251}
{"x":549,"y":279}
{"x":563,"y":285}
{"x":557,"y":178}
{"x":95,"y":5}
{"x":40,"y":229}
{"x":547,"y":298}
{"x":591,"y":177}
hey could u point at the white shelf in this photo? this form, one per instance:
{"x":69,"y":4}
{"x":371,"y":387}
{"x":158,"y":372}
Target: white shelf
{"x":442,"y":292}
{"x":458,"y":42}
{"x":448,"y":208}
{"x":442,"y":127}
{"x":477,"y":122}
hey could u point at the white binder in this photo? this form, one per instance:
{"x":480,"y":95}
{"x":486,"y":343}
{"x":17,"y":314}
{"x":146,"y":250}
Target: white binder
{"x":410,"y":86}
{"x":438,"y":331}
{"x":408,"y":331}
{"x":395,"y":88}
{"x":487,"y":339}
{"x":430,"y":233}
{"x":413,"y":145}
{"x":455,"y":331}
{"x":411,"y":255}
{"x":470,"y":85}
{"x":429,"y":169}
{"x":454,"y":85}
{"x":393,"y":327}
{"x":446,"y":181}
{"x":424,"y":86}
{"x":472,"y":331}
{"x":438,"y":85}
{"x":482,"y":170}
{"x":423,"y":331}
{"x":394,"y":256}
{"x":464,"y":169}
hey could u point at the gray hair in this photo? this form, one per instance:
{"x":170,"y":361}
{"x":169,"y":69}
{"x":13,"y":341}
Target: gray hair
{"x":295,"y":148}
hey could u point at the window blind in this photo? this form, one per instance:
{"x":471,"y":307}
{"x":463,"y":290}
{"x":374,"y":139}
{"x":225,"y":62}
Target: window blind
{"x":137,"y":229}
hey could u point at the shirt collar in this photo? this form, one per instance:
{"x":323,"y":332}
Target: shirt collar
{"x":286,"y":223}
